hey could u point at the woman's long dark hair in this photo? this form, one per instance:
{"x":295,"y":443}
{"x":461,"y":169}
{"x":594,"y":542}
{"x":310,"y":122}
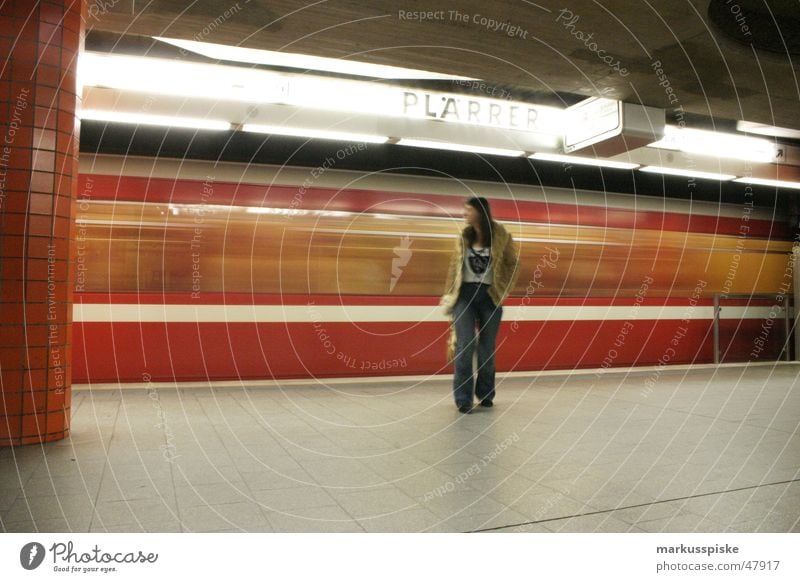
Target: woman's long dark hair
{"x":482,"y":206}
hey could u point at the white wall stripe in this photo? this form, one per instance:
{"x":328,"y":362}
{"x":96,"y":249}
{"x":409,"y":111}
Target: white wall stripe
{"x":88,"y":312}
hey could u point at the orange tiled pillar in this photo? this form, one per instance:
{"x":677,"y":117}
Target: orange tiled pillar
{"x":39,"y":46}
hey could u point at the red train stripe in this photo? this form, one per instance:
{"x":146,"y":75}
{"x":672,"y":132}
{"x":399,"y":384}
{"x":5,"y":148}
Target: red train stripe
{"x":181,"y":191}
{"x":377,"y":300}
{"x":136,"y":352}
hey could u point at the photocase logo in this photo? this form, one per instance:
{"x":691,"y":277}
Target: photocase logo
{"x":402,"y":256}
{"x":31,"y":555}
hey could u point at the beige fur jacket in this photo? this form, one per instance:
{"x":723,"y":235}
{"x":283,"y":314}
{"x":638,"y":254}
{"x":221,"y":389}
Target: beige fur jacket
{"x":505,"y":270}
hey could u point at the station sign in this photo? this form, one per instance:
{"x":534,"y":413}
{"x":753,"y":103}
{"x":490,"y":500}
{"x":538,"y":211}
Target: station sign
{"x":590,"y":122}
{"x":497,"y":113}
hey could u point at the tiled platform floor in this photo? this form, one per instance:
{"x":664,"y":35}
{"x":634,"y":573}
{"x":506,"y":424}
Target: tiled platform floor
{"x":706,"y":450}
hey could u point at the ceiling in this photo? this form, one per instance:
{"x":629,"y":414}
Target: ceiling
{"x":716,"y":76}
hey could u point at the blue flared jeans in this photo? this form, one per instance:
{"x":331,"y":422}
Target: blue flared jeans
{"x":474,"y":309}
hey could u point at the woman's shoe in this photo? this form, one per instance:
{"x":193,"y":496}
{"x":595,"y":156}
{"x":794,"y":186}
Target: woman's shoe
{"x":465,"y":409}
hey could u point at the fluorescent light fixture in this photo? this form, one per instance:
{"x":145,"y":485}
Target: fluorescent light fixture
{"x":305,"y":62}
{"x":225,"y":83}
{"x":584,"y":161}
{"x":764,"y":129}
{"x":314,"y":133}
{"x":459,"y":147}
{"x":297,"y":211}
{"x":712,"y":143}
{"x":764,"y":182}
{"x":230,"y":83}
{"x":172,"y":77}
{"x":687,"y":173}
{"x":281,"y":211}
{"x":163,"y":120}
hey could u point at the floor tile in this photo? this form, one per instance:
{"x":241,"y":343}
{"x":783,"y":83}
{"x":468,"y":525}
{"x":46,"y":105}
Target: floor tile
{"x":693,"y":454}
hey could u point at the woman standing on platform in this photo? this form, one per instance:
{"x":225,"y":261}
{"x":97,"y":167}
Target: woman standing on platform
{"x":483,"y":269}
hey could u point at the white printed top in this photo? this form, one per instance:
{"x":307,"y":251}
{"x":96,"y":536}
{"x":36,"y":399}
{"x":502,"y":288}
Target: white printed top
{"x":478,"y":265}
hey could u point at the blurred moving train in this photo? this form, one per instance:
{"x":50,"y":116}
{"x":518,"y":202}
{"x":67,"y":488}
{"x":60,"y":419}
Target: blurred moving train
{"x":189,"y":270}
